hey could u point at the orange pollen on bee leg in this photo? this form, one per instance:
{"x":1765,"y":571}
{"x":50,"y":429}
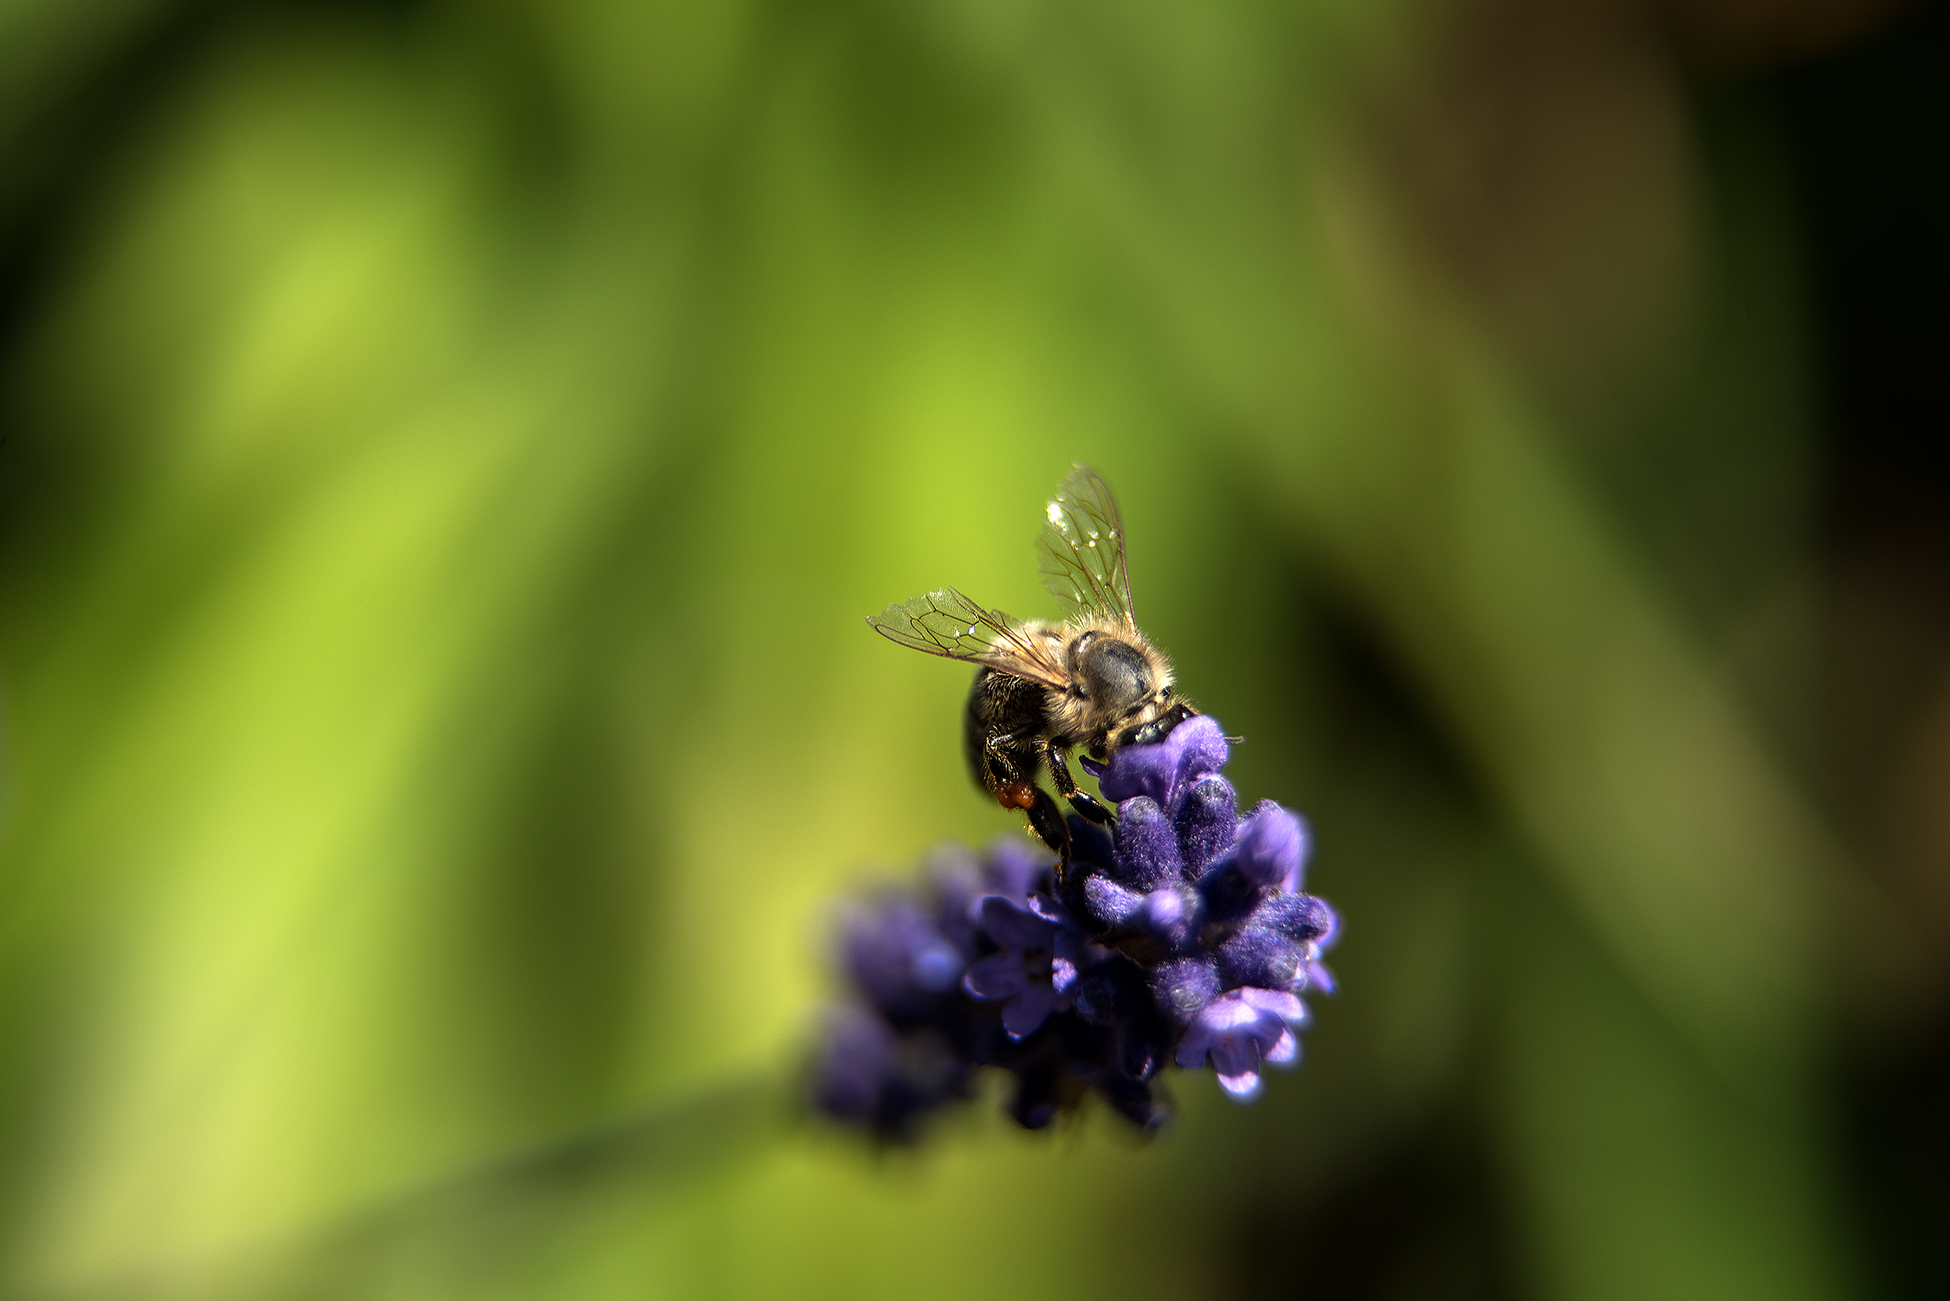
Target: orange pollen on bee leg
{"x":1016,"y":795}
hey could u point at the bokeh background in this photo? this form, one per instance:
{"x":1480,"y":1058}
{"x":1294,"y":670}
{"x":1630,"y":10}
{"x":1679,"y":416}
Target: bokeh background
{"x":449,"y":449}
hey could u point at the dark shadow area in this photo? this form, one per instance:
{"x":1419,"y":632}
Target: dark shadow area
{"x":1868,"y":129}
{"x":1425,"y":1220}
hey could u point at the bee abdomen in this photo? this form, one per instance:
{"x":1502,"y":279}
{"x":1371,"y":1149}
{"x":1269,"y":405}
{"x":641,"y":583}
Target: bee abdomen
{"x":1004,"y":722}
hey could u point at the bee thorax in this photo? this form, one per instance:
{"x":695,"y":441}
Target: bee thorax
{"x":1115,"y":676}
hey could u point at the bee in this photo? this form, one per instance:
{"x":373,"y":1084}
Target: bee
{"x":1044,"y":689}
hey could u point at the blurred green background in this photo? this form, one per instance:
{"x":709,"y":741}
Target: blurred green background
{"x":449,"y":449}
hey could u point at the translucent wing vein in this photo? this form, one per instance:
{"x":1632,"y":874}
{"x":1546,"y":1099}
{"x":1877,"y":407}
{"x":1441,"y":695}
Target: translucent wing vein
{"x":946,"y":623}
{"x":1081,"y":550}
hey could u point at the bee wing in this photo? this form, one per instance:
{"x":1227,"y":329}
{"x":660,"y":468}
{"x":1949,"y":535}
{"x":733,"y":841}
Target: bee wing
{"x":1081,"y":550}
{"x":946,"y":623}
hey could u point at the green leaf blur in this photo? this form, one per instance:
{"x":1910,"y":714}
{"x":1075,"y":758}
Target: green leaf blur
{"x":450,"y":449}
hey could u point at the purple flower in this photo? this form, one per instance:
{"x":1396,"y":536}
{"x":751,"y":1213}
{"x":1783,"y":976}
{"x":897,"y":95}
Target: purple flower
{"x":1146,"y":852}
{"x":960,"y":879}
{"x":1170,"y":915}
{"x":1163,"y":772}
{"x":1035,"y":971}
{"x":1239,"y":1030}
{"x":898,"y":958}
{"x":1318,"y":975}
{"x":1310,"y":923}
{"x":854,"y":1064}
{"x":871,"y":1076}
{"x":1184,"y":987}
{"x":1264,"y":959}
{"x":1179,"y":934}
{"x":1271,"y":847}
{"x":1209,"y":903}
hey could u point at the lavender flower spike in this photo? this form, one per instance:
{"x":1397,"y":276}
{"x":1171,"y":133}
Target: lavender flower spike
{"x":1182,"y":936}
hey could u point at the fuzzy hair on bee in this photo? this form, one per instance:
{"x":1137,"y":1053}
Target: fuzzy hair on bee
{"x":1043,"y":689}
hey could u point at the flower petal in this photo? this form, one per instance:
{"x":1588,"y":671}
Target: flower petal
{"x":1013,"y":926}
{"x":1206,"y":821}
{"x":1173,"y":915}
{"x":935,"y":966}
{"x":1301,"y":917}
{"x":1147,"y":845}
{"x":1243,"y":1087}
{"x":999,"y":975}
{"x":1137,"y":770}
{"x":1273,"y":847}
{"x":1256,"y":957}
{"x":1013,"y":868}
{"x":1194,"y":1046}
{"x":1195,"y":747}
{"x":1278,"y":1002}
{"x":1110,"y":903}
{"x":1235,"y":1053}
{"x":1185,"y":986}
{"x":1062,"y":975}
{"x":1164,"y":909}
{"x":1201,"y":748}
{"x":1025,"y":1014}
{"x":855,"y":1065}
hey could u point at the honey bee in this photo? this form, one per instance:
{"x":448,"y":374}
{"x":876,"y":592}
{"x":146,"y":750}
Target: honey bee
{"x":1043,"y":689}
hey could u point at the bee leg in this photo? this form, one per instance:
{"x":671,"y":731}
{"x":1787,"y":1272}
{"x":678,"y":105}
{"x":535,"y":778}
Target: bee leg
{"x":1007,"y":767}
{"x":1002,"y":764}
{"x":1058,"y":759}
{"x":1050,"y":828}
